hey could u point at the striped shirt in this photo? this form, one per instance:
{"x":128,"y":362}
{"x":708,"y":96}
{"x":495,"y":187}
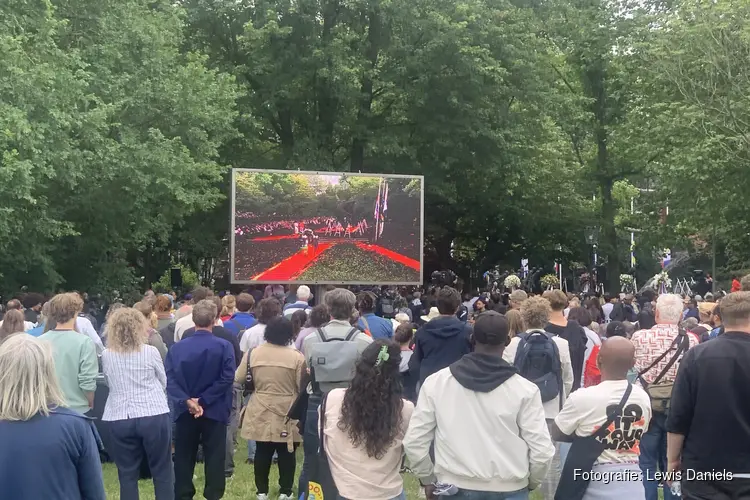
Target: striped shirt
{"x":137,"y":384}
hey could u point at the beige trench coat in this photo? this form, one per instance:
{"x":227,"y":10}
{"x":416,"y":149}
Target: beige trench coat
{"x":277,"y":372}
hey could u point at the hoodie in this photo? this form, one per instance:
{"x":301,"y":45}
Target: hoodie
{"x":482,"y":372}
{"x":438,"y":344}
{"x":486,"y":425}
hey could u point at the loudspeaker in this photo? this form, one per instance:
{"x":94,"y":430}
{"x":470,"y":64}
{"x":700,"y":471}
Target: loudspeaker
{"x":176,"y":277}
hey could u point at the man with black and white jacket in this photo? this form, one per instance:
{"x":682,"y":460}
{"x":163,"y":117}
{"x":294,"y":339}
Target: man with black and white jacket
{"x":486,"y":422}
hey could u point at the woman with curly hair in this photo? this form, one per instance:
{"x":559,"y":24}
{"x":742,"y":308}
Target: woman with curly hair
{"x":136,"y":412}
{"x":364,"y":426}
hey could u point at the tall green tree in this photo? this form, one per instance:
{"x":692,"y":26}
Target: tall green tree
{"x":120,"y":140}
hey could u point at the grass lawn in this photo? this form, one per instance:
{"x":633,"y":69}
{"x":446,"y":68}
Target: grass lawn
{"x":242,"y":486}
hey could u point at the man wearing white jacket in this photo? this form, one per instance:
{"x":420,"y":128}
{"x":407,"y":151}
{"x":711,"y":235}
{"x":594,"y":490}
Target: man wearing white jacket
{"x":486,"y":422}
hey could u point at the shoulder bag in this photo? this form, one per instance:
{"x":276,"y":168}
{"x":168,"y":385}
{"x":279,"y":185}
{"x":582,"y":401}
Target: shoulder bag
{"x":660,"y":392}
{"x":583,"y":455}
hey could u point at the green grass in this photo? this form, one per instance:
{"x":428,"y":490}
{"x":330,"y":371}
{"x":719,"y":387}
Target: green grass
{"x":242,"y":486}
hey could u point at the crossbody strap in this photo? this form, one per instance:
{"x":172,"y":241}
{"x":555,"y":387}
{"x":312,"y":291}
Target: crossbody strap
{"x":249,"y":374}
{"x":322,"y":425}
{"x":602,"y":431}
{"x":674,"y":344}
{"x":680,"y":350}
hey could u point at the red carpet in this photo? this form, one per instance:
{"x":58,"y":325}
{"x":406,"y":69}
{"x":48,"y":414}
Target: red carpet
{"x":397,"y":257}
{"x":291,"y":267}
{"x":276,"y":238}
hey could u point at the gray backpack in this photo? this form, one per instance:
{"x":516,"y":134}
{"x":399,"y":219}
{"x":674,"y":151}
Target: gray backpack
{"x":332,"y":360}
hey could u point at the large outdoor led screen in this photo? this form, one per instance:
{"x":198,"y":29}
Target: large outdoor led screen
{"x":325,"y":227}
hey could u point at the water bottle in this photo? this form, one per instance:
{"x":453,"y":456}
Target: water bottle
{"x":676,"y":489}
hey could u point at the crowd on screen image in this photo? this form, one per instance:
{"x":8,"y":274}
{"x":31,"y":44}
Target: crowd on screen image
{"x":294,"y":226}
{"x":328,"y":226}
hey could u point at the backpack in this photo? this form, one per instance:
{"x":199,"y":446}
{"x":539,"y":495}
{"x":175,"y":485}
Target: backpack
{"x":463,"y":313}
{"x":386,"y":306}
{"x":167,"y":334}
{"x":332,"y":360}
{"x":538,"y":360}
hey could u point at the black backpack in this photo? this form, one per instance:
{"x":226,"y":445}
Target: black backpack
{"x":386,"y":306}
{"x":538,"y":360}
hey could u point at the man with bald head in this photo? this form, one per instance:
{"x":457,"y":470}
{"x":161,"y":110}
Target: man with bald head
{"x":586,"y":410}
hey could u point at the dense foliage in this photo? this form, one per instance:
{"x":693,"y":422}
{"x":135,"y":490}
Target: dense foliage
{"x":120,"y":120}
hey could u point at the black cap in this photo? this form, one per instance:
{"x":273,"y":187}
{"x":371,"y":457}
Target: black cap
{"x":491,"y":328}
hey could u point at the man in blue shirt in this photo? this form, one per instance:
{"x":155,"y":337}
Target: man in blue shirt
{"x":243,"y":318}
{"x":200,"y":372}
{"x":374,"y":326}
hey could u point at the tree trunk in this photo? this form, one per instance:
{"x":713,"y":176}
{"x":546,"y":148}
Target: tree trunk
{"x":327,"y":101}
{"x":609,"y":238}
{"x":357,"y":154}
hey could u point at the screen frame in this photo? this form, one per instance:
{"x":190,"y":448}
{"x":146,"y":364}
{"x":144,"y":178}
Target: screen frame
{"x":232,"y":243}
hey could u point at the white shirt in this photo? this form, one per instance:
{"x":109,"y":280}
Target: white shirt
{"x":186,"y":323}
{"x":586,"y":410}
{"x":84,"y":326}
{"x":494,"y":441}
{"x":551,"y":407}
{"x":356,"y":474}
{"x":27,"y":325}
{"x":253,"y":337}
{"x":137,"y":384}
{"x":607,"y":308}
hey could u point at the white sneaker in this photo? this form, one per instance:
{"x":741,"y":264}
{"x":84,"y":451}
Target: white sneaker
{"x":262,"y":496}
{"x":286,"y":497}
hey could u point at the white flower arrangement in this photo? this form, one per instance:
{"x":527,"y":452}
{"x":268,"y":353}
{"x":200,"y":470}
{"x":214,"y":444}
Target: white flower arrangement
{"x":626,"y":279}
{"x":512,"y":281}
{"x":662,"y":281}
{"x":549,"y":281}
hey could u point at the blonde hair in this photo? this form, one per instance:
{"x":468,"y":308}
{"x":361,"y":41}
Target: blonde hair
{"x":64,"y":307}
{"x":557,"y":299}
{"x":515,"y":323}
{"x":145,"y":308}
{"x":535,"y":312}
{"x":228,"y":305}
{"x":126,"y":330}
{"x":735,"y":309}
{"x":28,"y":382}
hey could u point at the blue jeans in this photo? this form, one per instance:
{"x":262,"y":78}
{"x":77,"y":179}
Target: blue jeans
{"x":654,"y":457}
{"x":310,"y":442}
{"x":129,"y":439}
{"x":491,"y":495}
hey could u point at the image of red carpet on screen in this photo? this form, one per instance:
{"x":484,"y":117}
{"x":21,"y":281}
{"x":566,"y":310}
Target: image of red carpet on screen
{"x":337,"y":228}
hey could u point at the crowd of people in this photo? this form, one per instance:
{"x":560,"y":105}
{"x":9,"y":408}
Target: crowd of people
{"x":286,"y":226}
{"x":484,"y":397}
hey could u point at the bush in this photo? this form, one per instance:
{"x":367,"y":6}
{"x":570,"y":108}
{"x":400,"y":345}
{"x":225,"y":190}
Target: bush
{"x":190,"y":280}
